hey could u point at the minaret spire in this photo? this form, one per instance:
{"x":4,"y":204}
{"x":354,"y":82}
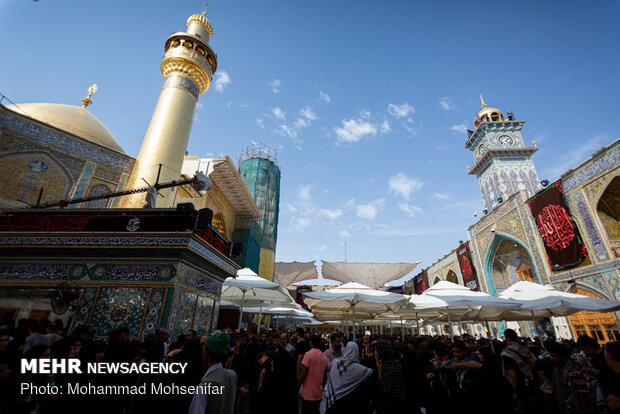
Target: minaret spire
{"x":482,"y":102}
{"x":188,"y":66}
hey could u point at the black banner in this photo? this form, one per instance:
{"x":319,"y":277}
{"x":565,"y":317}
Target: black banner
{"x":467,"y":267}
{"x":420,"y":282}
{"x":560,"y":235}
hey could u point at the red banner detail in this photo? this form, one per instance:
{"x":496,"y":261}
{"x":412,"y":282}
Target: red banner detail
{"x":420,"y":282}
{"x":560,"y":235}
{"x":467,"y":268}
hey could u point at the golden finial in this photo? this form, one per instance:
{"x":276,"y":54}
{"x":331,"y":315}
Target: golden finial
{"x":204,"y":9}
{"x":467,"y":166}
{"x":86,"y":101}
{"x":534,"y":142}
{"x":482,"y":100}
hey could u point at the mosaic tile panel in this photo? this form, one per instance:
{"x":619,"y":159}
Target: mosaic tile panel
{"x":577,"y":203}
{"x":595,"y":189}
{"x":82,"y":184}
{"x":613,"y":281}
{"x":153,"y":311}
{"x":35,"y":171}
{"x":27,"y":271}
{"x":204,"y":312}
{"x":112,"y":241}
{"x":181,"y":314}
{"x":606,"y":161}
{"x":119,"y":306}
{"x":200,"y":281}
{"x":107,"y":174}
{"x":87,"y":301}
{"x":98,"y":190}
{"x":531,"y":233}
{"x":53,"y":271}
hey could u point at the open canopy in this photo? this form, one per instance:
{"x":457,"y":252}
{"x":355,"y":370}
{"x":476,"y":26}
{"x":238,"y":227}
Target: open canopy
{"x":352,"y":300}
{"x":541,"y":301}
{"x":373,"y":275}
{"x":287,"y":273}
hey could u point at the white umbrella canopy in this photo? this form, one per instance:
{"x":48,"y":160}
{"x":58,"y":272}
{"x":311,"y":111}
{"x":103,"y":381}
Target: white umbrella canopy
{"x":354,"y":296}
{"x":353,"y":301}
{"x":540,"y":301}
{"x":458,"y":302}
{"x":248,"y":286}
{"x":280,"y":310}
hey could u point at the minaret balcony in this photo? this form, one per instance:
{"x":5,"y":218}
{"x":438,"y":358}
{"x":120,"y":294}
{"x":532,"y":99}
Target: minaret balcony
{"x":495,"y":153}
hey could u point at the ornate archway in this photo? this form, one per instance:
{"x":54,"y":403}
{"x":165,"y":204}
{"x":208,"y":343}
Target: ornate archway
{"x":452,"y":277}
{"x":601,"y":326}
{"x":608,"y":211}
{"x":507,"y":262}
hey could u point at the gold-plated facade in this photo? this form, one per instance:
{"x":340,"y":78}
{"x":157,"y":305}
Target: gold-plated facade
{"x":187,"y":67}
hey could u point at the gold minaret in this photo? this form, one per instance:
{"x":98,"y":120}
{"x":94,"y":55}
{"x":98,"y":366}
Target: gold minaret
{"x":187,"y":67}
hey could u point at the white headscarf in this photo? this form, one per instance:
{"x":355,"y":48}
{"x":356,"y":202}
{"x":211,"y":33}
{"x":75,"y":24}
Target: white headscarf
{"x":346,"y":374}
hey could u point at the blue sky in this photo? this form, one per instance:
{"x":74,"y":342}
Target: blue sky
{"x":366,"y":102}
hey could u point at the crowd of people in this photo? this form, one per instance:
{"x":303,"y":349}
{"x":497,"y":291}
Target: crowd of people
{"x":307,"y":373}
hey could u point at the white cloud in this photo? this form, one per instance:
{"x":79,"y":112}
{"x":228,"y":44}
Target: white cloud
{"x":369,"y":210}
{"x":460,"y":128}
{"x":331,"y":214}
{"x":322,"y":248}
{"x":325,"y":97}
{"x":365,"y":114}
{"x":199,"y":105}
{"x":304,"y":193}
{"x":308,"y":114}
{"x":353,"y":130}
{"x":289,"y":208}
{"x":275,"y":86}
{"x":446,"y":103}
{"x":301,"y":223}
{"x":400,"y":111}
{"x":410,"y":209}
{"x":344,"y":234}
{"x":278,"y":113}
{"x":441,"y":196}
{"x":286,"y":131}
{"x":402,"y":185}
{"x":222,"y":79}
{"x":385,"y":127}
{"x":260,"y":123}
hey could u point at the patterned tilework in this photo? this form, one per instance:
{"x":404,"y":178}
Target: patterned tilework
{"x":116,"y":307}
{"x":608,"y":160}
{"x":204,"y":312}
{"x":27,"y":271}
{"x":577,"y":204}
{"x":200,"y":281}
{"x":82,"y":184}
{"x":54,"y":271}
{"x":23,"y":174}
{"x":12,"y":143}
{"x":531,"y":233}
{"x":153,"y":311}
{"x":112,"y":241}
{"x":582,"y":272}
{"x":181,"y":314}
{"x":216,"y":313}
{"x":613,"y":281}
{"x":87,"y":301}
{"x":595,"y":189}
{"x":98,"y":190}
{"x":212,"y":257}
{"x":65,"y":143}
{"x":107,"y":174}
{"x":184,"y":83}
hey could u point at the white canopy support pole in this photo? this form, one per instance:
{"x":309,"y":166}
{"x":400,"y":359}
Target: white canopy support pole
{"x":277,"y":321}
{"x":354,"y":322}
{"x":417,"y":321}
{"x":489,"y":336}
{"x":402,"y":328}
{"x":450,"y":326}
{"x":260,"y":316}
{"x":241,"y":310}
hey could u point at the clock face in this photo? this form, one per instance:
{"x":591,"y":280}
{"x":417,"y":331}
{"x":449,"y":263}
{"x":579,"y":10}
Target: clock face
{"x":482,"y":149}
{"x":506,"y":140}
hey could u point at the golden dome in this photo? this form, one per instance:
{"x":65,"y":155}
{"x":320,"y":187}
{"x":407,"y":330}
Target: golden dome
{"x":493,"y":114}
{"x":74,"y":119}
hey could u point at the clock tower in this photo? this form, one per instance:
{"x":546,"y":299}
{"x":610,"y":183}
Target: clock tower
{"x":502,"y":161}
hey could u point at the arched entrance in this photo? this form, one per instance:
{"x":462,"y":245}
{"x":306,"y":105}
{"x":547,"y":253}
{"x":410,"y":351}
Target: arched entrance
{"x":508,"y":262}
{"x":608,"y":209}
{"x":437,"y":280}
{"x":452,"y":277}
{"x":600,"y":326}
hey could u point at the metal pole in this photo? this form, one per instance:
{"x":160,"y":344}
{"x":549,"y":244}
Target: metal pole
{"x":241,"y":310}
{"x":354,"y":322}
{"x":489,"y":336}
{"x":450,"y":326}
{"x":417,"y":321}
{"x":402,"y":328}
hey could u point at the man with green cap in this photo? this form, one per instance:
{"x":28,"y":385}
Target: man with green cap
{"x":216,"y":392}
